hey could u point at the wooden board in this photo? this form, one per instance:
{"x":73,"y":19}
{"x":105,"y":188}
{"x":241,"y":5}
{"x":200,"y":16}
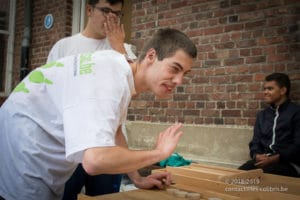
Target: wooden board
{"x":226,"y":181}
{"x":133,"y":195}
{"x":212,"y":181}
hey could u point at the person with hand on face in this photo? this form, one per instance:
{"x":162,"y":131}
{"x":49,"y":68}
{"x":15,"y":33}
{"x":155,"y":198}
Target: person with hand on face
{"x":70,"y":111}
{"x":103,"y":31}
{"x":275,"y":146}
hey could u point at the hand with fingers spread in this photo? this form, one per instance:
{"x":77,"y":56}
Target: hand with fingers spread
{"x":168,"y":140}
{"x":115,"y":33}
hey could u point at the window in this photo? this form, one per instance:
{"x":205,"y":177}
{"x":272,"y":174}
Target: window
{"x":7,"y":21}
{"x":78,"y":22}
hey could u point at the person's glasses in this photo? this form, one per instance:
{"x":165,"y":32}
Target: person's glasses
{"x":106,"y":11}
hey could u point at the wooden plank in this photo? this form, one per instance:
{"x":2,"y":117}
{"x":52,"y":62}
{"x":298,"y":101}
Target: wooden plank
{"x":281,"y":184}
{"x":244,"y":175}
{"x":209,"y":193}
{"x":133,"y":195}
{"x":206,"y":173}
{"x":231,"y":189}
{"x":193,"y":173}
{"x":214,"y":167}
{"x":286,"y":184}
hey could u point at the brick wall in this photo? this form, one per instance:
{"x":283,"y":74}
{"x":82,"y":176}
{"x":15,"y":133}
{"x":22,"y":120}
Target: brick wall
{"x":42,"y":39}
{"x":238,"y":41}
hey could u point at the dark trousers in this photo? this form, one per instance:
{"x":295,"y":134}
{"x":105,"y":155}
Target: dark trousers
{"x":281,"y":168}
{"x":94,"y":185}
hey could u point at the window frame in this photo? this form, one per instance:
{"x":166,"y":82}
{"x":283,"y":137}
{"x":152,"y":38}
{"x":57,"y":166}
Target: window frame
{"x":78,"y":16}
{"x":8,"y":68}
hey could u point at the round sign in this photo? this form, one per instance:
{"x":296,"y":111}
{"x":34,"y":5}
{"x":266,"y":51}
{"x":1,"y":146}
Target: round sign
{"x":48,"y":21}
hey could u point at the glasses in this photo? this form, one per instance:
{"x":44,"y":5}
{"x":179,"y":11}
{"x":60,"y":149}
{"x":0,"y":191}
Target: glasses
{"x":106,"y":11}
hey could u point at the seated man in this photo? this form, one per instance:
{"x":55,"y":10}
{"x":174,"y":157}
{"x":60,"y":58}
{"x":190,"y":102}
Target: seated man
{"x":275,"y":146}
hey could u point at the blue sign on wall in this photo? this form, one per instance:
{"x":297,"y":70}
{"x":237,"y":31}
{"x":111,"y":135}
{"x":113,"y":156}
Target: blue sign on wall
{"x":48,"y":21}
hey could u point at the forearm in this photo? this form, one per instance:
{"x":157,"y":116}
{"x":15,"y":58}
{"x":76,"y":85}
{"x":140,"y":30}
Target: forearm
{"x":115,"y":160}
{"x":134,"y":176}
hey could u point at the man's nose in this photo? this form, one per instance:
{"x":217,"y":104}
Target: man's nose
{"x":178,"y":79}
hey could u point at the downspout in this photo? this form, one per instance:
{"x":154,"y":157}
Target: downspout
{"x":24,"y":70}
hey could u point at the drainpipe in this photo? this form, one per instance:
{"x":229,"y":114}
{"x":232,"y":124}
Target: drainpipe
{"x":24,"y":70}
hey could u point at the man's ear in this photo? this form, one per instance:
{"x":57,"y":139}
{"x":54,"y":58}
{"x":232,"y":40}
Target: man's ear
{"x":283,"y":90}
{"x":151,"y":55}
{"x":88,"y":10}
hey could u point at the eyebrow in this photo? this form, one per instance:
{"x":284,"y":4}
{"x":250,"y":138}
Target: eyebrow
{"x":181,"y":68}
{"x":268,"y":88}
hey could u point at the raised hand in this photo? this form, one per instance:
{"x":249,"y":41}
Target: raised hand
{"x":168,"y":140}
{"x":115,"y":33}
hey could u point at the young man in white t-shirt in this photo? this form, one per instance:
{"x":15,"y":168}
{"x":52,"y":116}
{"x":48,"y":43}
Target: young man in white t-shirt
{"x":102,"y":32}
{"x":70,"y":111}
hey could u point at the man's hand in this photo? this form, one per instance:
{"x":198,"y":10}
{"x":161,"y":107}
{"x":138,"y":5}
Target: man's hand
{"x":260,"y":157}
{"x":159,"y":180}
{"x":168,"y":140}
{"x":267,"y":161}
{"x":115,"y":33}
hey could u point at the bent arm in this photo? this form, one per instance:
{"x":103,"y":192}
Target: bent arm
{"x":119,"y":159}
{"x":115,"y":160}
{"x":255,"y":145}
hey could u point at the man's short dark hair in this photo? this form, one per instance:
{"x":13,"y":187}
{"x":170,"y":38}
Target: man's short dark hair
{"x":111,"y":2}
{"x":282,"y":80}
{"x":166,"y":42}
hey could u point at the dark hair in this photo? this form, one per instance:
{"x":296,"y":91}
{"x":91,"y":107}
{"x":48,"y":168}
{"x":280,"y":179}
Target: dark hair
{"x":166,"y":42}
{"x":111,"y":2}
{"x":282,"y":80}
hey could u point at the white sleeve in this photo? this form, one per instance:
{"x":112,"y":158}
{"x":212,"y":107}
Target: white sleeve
{"x":92,"y":108}
{"x":130,"y":54}
{"x":92,"y":123}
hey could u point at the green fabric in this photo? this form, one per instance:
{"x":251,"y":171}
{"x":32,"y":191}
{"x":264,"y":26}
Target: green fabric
{"x":175,"y":160}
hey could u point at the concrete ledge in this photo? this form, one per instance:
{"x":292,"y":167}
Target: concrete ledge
{"x":218,"y":145}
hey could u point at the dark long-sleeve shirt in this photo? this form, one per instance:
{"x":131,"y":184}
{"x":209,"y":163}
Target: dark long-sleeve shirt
{"x":277,"y":130}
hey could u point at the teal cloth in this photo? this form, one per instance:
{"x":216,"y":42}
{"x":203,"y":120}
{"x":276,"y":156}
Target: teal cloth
{"x":175,"y":160}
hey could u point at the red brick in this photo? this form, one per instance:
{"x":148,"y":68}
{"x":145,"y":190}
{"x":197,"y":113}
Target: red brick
{"x":231,"y":113}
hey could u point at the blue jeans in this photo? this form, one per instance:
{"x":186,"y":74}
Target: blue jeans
{"x":94,"y":185}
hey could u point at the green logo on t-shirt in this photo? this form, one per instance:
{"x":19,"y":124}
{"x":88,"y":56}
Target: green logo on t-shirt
{"x":21,"y":88}
{"x":52,"y":64}
{"x":38,"y":77}
{"x":86,"y":66}
{"x":34,"y":77}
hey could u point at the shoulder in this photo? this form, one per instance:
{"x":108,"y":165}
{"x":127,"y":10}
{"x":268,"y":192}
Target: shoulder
{"x":111,"y":61}
{"x":66,"y":40}
{"x":293,"y":107}
{"x":108,"y":54}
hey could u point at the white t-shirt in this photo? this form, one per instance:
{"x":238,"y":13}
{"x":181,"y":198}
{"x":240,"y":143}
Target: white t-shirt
{"x":58,"y":111}
{"x":79,"y":43}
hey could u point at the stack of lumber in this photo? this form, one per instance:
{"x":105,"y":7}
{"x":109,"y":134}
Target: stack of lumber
{"x":226,"y":183}
{"x":207,"y":182}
